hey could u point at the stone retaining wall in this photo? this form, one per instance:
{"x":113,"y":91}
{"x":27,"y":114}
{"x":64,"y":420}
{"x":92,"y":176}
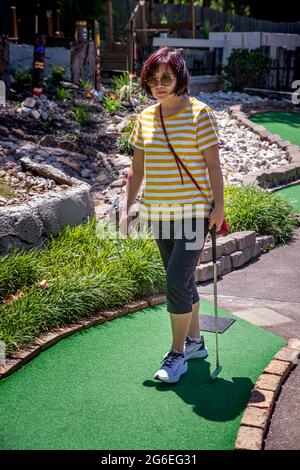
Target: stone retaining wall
{"x":30,"y":224}
{"x":281,"y":175}
{"x":233,"y":251}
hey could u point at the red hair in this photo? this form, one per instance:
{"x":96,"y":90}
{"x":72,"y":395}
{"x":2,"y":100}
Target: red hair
{"x":171,"y":58}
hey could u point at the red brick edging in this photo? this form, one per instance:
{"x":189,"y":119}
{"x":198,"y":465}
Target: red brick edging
{"x":256,"y":419}
{"x":248,"y":245}
{"x":24,"y":355}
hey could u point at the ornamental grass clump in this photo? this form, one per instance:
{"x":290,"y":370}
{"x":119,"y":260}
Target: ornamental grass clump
{"x":82,"y":271}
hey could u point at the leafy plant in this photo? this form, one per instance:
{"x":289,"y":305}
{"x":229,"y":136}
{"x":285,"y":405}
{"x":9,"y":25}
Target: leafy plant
{"x":22,"y":78}
{"x":206,"y":29}
{"x":111,"y":104}
{"x":250,"y":208}
{"x":85,"y":269}
{"x":17,"y":271}
{"x":246,"y":68}
{"x":120,"y":81}
{"x":62,"y":94}
{"x":81,"y":114}
{"x":124,"y":145}
{"x":58,"y":73}
{"x":229,"y":28}
{"x":123,"y":142}
{"x":85,"y":84}
{"x":163,"y":19}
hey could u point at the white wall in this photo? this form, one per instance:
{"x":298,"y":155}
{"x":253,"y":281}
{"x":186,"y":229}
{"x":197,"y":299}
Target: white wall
{"x":229,"y":41}
{"x":21,"y":58}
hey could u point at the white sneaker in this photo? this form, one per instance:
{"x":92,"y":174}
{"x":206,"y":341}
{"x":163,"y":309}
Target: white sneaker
{"x":174,"y":365}
{"x":194,"y":350}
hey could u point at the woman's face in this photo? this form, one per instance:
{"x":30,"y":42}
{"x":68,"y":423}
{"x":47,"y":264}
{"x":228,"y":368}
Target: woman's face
{"x":160,"y":91}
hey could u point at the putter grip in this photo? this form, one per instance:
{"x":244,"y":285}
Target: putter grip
{"x":213,"y":238}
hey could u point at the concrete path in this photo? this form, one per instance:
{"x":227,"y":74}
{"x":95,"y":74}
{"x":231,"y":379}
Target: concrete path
{"x":266,"y":292}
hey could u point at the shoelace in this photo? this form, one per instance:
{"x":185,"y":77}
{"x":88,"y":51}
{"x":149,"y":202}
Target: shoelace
{"x":170,"y":358}
{"x":189,"y":341}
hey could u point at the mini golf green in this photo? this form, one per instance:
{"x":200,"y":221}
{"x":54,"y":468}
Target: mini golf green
{"x":287,"y":125}
{"x":95,"y":389}
{"x":292,"y":193}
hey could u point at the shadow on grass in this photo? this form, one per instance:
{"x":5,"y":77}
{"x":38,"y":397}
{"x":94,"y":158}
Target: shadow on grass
{"x":218,"y":400}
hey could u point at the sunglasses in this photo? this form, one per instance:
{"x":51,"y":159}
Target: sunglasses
{"x":166,"y":80}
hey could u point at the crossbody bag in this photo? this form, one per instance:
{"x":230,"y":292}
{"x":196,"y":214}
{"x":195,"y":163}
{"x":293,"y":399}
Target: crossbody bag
{"x":224,"y":228}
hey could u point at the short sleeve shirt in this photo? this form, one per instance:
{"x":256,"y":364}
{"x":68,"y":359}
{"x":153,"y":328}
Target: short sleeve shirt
{"x":190,"y":131}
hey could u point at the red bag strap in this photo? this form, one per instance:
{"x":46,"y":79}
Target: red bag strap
{"x":177,"y":159}
{"x":224,"y":228}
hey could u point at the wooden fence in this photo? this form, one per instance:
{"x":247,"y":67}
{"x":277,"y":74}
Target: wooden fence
{"x":217,"y":20}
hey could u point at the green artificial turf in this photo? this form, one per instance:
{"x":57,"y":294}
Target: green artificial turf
{"x":287,"y":125}
{"x":95,"y":389}
{"x":292,"y":193}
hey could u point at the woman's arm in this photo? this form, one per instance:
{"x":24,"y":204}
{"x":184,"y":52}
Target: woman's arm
{"x":212,"y":160}
{"x":134,"y":180}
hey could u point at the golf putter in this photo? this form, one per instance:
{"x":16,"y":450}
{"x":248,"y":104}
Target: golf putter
{"x":218,"y":368}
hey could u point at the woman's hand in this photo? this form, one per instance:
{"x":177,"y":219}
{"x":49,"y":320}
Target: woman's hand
{"x":216,"y":218}
{"x":124,"y":222}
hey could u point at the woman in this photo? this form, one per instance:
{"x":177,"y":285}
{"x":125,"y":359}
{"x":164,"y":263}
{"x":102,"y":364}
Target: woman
{"x":175,"y":207}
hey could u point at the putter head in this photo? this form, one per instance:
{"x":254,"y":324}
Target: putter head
{"x":215,"y":373}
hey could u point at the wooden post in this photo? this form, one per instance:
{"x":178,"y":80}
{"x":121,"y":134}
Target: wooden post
{"x":38,"y":64}
{"x":97,"y":55}
{"x":4,"y":62}
{"x":49,"y":23}
{"x":130,"y":47}
{"x":13,"y":24}
{"x":36,"y":24}
{"x":151,"y":12}
{"x":192,"y":18}
{"x":110,"y":28}
{"x":58,"y":32}
{"x":143,"y":25}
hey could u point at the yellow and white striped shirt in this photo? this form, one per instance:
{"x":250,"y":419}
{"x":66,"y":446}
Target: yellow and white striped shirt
{"x":190,"y":131}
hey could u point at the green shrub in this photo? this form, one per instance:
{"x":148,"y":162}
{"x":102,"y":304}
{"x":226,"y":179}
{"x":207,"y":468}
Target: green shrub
{"x":17,"y":270}
{"x":58,"y":73}
{"x":81,"y":114}
{"x":124,"y":145}
{"x":22,"y":79}
{"x":85,"y":84}
{"x":229,"y":28}
{"x":62,"y":94}
{"x":120,"y":81}
{"x":206,"y":29}
{"x":247,"y":68}
{"x":111,"y":104}
{"x":85,"y":274}
{"x":249,"y":208}
{"x":123,"y":142}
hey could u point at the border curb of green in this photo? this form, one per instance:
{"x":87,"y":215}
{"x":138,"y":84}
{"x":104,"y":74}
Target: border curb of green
{"x":51,"y":337}
{"x":247,"y":249}
{"x":256,"y":419}
{"x":282,"y":174}
{"x":257,"y":415}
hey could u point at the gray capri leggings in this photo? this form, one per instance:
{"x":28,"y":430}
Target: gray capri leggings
{"x":180,"y":243}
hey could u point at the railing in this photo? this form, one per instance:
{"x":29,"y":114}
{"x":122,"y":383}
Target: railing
{"x":139,"y":16}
